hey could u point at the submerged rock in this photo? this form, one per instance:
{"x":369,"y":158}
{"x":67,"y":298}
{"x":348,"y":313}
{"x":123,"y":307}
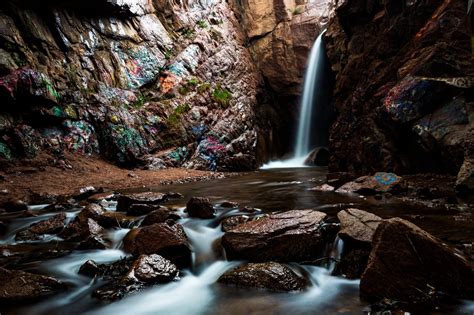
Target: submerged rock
{"x":289,"y":236}
{"x":52,"y":225}
{"x":408,"y":264}
{"x":162,"y":239}
{"x":199,"y":207}
{"x":369,"y":185}
{"x":19,"y":286}
{"x":270,"y":275}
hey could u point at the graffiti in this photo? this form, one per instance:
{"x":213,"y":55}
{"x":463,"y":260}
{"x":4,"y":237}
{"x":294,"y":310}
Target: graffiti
{"x":180,"y":154}
{"x":5,"y":151}
{"x":28,"y":82}
{"x":407,"y":100}
{"x":80,"y":137}
{"x":385,"y":178}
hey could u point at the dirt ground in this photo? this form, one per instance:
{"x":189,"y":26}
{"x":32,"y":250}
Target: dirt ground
{"x":20,"y":182}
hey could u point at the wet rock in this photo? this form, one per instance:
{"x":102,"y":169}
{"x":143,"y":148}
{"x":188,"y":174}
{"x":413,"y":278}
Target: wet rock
{"x":369,"y":185}
{"x":91,"y":211}
{"x":92,"y":242}
{"x":408,"y":264}
{"x":323,"y":188}
{"x":86,"y":192}
{"x":15,"y":206}
{"x":199,"y":207}
{"x":152,"y":269}
{"x":160,"y":215}
{"x":81,"y":229}
{"x":141,"y":209}
{"x":358,"y":225}
{"x":116,"y":290}
{"x":19,"y":286}
{"x":110,"y":219}
{"x":289,"y":236}
{"x":318,"y":157}
{"x":270,"y":275}
{"x":357,"y":230}
{"x":162,"y":239}
{"x":231,"y":222}
{"x":90,"y":269}
{"x":52,"y":225}
{"x":147,"y":198}
{"x":229,"y":204}
{"x":97,"y":198}
{"x":337,"y":179}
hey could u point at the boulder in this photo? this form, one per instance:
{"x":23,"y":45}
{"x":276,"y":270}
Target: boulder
{"x":269,"y":275}
{"x":358,"y":225}
{"x":323,"y":188}
{"x":160,"y":215}
{"x":81,"y":229}
{"x":162,"y":239}
{"x":15,"y":206}
{"x":408,"y":264}
{"x":52,"y":225}
{"x":152,"y":269}
{"x":86,"y":192}
{"x":229,"y":204}
{"x":318,"y":157}
{"x":357,"y":230}
{"x":110,"y":219}
{"x":465,"y":178}
{"x":146,"y":198}
{"x":141,"y":209}
{"x":369,"y":185}
{"x":91,"y":211}
{"x":90,"y":269}
{"x":19,"y":286}
{"x":99,"y":197}
{"x":199,"y":207}
{"x":288,"y":236}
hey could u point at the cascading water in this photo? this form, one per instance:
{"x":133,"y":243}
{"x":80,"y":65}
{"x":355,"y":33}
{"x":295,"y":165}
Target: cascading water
{"x":312,"y":86}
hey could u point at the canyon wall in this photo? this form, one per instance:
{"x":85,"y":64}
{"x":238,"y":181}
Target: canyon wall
{"x":403,"y":94}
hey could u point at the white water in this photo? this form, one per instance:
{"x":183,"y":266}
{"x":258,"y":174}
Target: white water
{"x":310,"y":89}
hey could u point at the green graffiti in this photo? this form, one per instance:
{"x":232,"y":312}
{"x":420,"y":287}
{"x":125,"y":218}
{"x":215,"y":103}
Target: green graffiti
{"x":5,"y":151}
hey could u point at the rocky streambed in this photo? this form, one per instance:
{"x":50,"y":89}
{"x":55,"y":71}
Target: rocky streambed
{"x":297,"y":241}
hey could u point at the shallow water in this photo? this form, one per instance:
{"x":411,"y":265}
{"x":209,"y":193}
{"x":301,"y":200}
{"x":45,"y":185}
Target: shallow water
{"x":197,"y":292}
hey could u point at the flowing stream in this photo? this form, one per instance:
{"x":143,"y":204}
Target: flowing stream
{"x":197,"y":291}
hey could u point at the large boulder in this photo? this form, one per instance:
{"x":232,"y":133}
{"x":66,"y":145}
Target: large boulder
{"x":169,"y":241}
{"x":318,"y":157}
{"x":357,"y":231}
{"x":270,"y":275}
{"x":289,"y":236}
{"x":408,"y":264}
{"x":199,"y":207}
{"x":369,"y":185}
{"x":160,"y":215}
{"x":19,"y":286}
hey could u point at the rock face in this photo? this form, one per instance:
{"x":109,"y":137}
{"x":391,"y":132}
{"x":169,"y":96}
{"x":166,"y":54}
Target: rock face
{"x":199,"y":207}
{"x":290,"y":236}
{"x":403,"y":79}
{"x":19,"y":286}
{"x":134,"y":78}
{"x":272,"y":276}
{"x":408,"y":264}
{"x":162,"y":239}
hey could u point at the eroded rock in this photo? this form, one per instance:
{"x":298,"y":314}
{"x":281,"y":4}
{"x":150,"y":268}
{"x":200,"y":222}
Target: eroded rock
{"x":289,"y":236}
{"x":270,"y":275}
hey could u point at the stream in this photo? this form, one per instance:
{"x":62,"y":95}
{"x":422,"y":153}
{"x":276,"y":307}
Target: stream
{"x":197,"y":291}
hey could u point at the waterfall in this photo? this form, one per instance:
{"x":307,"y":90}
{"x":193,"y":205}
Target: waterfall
{"x":310,"y":88}
{"x":313,"y":84}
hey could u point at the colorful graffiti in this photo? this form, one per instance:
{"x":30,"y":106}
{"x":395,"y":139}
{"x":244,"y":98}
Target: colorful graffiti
{"x":385,"y":178}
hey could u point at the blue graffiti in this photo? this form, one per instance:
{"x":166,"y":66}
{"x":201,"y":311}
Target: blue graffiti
{"x":385,"y":178}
